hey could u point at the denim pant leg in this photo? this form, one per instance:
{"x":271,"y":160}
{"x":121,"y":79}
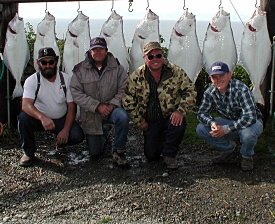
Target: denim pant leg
{"x":96,"y":144}
{"x":120,"y":119}
{"x":153,"y":140}
{"x":76,"y":134}
{"x":225,"y":143}
{"x":27,"y":126}
{"x":249,"y":137}
{"x":173,"y":136}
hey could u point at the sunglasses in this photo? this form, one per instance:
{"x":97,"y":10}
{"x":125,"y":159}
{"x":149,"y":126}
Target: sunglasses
{"x":151,"y":56}
{"x":50,"y":62}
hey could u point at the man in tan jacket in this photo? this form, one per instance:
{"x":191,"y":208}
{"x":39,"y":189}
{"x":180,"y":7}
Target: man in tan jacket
{"x":97,"y":86}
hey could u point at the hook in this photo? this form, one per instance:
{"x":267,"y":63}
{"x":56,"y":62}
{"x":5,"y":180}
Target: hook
{"x":184,"y":5}
{"x":46,"y":10}
{"x":112,"y":9}
{"x":147,"y":5}
{"x":220,"y":5}
{"x":130,"y":5}
{"x":78,"y":10}
{"x":256,"y":3}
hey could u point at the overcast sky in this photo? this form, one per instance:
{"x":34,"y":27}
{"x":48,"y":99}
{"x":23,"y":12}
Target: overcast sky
{"x":165,"y":9}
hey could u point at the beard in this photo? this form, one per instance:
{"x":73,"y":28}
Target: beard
{"x":48,"y":72}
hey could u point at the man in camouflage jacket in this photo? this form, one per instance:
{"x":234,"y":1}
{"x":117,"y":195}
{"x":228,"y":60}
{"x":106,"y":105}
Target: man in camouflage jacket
{"x":157,"y":98}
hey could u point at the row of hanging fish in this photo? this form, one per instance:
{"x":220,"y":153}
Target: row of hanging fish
{"x":183,"y":50}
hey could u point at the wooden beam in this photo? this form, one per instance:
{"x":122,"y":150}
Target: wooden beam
{"x":33,"y":1}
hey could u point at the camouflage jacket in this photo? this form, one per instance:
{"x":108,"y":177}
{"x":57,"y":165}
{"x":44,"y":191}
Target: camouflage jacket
{"x":176,"y":93}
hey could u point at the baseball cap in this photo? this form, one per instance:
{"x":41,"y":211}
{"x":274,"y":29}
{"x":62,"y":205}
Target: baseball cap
{"x":219,"y":68}
{"x":151,"y":46}
{"x":46,"y":52}
{"x":98,"y":42}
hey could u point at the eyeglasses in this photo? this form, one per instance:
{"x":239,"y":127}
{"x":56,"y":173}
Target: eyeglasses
{"x":50,"y":62}
{"x":151,"y":56}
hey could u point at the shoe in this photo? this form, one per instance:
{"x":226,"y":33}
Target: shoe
{"x":225,"y":157}
{"x":119,"y":159}
{"x":25,"y":161}
{"x":171,"y":162}
{"x":247,"y":164}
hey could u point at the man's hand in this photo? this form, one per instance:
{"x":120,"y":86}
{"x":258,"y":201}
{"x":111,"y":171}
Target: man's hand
{"x":62,"y":137}
{"x":144,"y":126}
{"x":176,"y":118}
{"x":105,"y":110}
{"x":216,"y":130}
{"x":47,"y":123}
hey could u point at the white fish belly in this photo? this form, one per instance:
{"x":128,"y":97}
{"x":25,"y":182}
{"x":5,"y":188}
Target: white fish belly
{"x":147,"y":31}
{"x":45,"y":38}
{"x":219,"y":46}
{"x":76,"y":46}
{"x":255,"y":57}
{"x":185,"y":52}
{"x":16,"y":57}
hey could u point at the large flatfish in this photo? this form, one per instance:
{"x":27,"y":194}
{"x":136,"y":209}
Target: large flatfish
{"x":184,"y":49}
{"x":16,"y":53}
{"x":219,"y":43}
{"x":255,"y":53}
{"x":112,"y":31}
{"x":45,"y":37}
{"x":77,"y":42}
{"x":146,"y":31}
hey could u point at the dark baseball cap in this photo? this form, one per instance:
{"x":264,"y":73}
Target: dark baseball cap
{"x":46,"y":52}
{"x":151,"y":46}
{"x":98,"y":42}
{"x":219,"y":68}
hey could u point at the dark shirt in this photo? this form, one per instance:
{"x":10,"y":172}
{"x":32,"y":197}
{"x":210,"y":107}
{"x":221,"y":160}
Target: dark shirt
{"x":153,"y":112}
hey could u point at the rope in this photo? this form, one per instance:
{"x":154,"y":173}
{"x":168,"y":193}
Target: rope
{"x":2,"y":70}
{"x":237,"y":12}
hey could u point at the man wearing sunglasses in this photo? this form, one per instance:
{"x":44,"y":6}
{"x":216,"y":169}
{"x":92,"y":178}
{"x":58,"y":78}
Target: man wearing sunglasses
{"x":97,"y":86}
{"x":238,"y":117}
{"x":157,"y":98}
{"x":47,"y":105}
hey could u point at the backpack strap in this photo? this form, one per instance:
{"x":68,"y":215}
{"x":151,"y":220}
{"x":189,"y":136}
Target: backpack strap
{"x":63,"y":85}
{"x":38,"y":86}
{"x":62,"y":81}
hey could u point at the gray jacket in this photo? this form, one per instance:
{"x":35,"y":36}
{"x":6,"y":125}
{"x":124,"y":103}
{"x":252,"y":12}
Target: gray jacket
{"x":89,"y":89}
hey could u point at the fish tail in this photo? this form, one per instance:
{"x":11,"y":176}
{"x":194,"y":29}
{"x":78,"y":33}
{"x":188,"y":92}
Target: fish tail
{"x":18,"y":91}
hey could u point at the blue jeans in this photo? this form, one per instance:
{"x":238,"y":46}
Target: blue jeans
{"x":119,"y":118}
{"x":248,"y":136}
{"x":162,"y":138}
{"x":28,"y":125}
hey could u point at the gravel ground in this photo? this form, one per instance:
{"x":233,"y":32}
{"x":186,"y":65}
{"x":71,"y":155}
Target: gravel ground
{"x":64,"y":187}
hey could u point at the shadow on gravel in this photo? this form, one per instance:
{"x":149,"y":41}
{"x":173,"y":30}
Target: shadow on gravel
{"x":68,"y":169}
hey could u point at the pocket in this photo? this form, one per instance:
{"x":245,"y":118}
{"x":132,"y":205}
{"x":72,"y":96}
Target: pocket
{"x":90,"y":86}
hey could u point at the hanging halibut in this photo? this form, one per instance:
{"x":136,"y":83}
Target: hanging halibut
{"x":45,"y":37}
{"x":255,"y":54}
{"x":219,"y":44}
{"x":184,"y":49}
{"x":16,"y":53}
{"x":146,"y":31}
{"x":112,"y":31}
{"x":77,"y":42}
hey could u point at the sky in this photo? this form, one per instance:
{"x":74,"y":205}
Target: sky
{"x":165,"y":9}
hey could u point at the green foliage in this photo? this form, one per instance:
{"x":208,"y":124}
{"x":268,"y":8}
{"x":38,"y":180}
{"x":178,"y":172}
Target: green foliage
{"x":30,"y":35}
{"x":106,"y":220}
{"x":241,"y":74}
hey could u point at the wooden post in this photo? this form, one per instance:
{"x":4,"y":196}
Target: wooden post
{"x":269,"y":7}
